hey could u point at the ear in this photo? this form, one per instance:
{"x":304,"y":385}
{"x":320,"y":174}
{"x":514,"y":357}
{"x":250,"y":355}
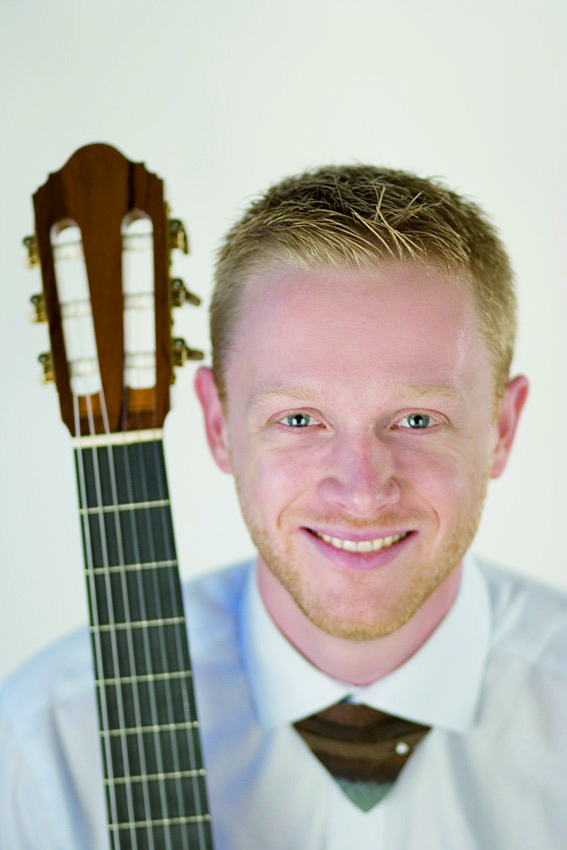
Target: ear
{"x":215,"y":420}
{"x":510,"y":409}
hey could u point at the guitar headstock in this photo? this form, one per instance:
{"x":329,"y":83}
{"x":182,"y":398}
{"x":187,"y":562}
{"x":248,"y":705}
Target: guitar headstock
{"x":112,"y":354}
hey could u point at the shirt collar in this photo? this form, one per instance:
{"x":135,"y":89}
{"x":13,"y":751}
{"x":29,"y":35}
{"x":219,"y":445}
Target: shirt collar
{"x":438,"y":686}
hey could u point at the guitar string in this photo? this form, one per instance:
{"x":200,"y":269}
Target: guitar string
{"x":145,"y":638}
{"x":113,"y":637}
{"x":134,"y":518}
{"x":185,"y":684}
{"x":136,"y":338}
{"x":176,"y":599}
{"x":173,"y":580}
{"x":112,"y":631}
{"x":97,"y":637}
{"x":204,"y":836}
{"x":96,"y":634}
{"x":155,"y":578}
{"x":203,"y":832}
{"x":128,"y":630}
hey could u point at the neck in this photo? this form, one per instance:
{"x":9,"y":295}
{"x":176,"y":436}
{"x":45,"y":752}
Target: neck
{"x":356,"y":662}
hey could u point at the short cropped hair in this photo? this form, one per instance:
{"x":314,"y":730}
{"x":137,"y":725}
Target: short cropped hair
{"x":360,"y":217}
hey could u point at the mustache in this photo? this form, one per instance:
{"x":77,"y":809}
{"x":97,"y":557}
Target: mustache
{"x":384,"y":519}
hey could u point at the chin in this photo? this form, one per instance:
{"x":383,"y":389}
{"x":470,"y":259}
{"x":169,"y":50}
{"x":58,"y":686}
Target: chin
{"x":358,"y":622}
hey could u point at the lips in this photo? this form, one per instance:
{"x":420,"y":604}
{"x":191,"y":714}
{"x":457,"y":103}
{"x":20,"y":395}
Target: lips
{"x":349,"y":550}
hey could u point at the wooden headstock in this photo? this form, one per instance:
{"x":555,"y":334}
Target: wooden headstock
{"x":99,"y":191}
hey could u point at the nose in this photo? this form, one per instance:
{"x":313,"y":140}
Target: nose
{"x":360,"y":477}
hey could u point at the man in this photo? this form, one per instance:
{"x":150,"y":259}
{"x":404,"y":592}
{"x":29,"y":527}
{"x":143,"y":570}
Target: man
{"x":362,"y":326}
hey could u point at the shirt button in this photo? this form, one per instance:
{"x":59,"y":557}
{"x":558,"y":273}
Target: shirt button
{"x":402,"y":748}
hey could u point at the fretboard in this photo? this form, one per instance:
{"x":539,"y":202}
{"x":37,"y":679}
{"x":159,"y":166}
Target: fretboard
{"x":152,"y":759}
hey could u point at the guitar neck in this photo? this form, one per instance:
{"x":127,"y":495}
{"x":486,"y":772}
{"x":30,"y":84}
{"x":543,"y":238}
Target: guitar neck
{"x":152,"y":758}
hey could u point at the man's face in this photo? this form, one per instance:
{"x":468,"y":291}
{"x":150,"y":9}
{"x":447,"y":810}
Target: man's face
{"x":360,"y":430}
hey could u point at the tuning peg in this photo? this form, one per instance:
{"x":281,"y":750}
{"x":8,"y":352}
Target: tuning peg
{"x":38,"y":313}
{"x":178,"y":235}
{"x":47,"y":365}
{"x":30,"y":243}
{"x":182,"y":353}
{"x":181,"y":295}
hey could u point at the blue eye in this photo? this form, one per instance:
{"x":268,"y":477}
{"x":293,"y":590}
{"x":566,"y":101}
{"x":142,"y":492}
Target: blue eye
{"x":299,"y":420}
{"x":417,"y":421}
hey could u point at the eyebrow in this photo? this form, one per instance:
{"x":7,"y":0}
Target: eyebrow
{"x":313,"y":393}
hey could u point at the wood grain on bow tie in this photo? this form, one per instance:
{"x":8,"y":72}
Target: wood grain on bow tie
{"x":356,"y":742}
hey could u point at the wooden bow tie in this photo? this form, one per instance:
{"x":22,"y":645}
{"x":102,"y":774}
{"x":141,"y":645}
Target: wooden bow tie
{"x":358,"y":744}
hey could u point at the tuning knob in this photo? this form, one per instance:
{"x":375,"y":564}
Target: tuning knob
{"x":47,"y":365}
{"x":178,"y":235}
{"x":30,"y":243}
{"x":38,"y":313}
{"x":182,"y":353}
{"x":180,"y":295}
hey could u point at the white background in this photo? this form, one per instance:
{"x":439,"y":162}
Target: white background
{"x":223,"y":98}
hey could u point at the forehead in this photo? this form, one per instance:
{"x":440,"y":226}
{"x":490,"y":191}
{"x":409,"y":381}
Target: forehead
{"x":397,"y":325}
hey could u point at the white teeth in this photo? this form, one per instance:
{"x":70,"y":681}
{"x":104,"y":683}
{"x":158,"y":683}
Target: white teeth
{"x":363,"y":545}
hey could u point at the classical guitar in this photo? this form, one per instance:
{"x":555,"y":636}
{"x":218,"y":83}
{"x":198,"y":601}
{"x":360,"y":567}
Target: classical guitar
{"x":103,"y":240}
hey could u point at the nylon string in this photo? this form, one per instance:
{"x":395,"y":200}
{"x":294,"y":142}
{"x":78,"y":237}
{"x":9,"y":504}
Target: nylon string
{"x":138,"y":339}
{"x":114,"y":821}
{"x":184,"y":682}
{"x":147,"y":653}
{"x":94,"y":607}
{"x":129,"y":638}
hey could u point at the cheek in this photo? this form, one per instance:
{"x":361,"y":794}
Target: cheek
{"x":447,"y":481}
{"x":269,"y":481}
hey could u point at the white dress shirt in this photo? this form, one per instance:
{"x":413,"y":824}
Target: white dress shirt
{"x":491,"y":680}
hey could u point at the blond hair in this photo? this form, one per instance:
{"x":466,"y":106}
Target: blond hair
{"x":358,"y":217}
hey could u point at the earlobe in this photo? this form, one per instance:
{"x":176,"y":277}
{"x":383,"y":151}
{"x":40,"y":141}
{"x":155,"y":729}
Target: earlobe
{"x":511,"y":407}
{"x":215,"y":421}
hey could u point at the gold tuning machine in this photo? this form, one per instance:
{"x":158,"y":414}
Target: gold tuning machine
{"x":180,"y":295}
{"x":178,"y":236}
{"x":30,"y":243}
{"x":181,"y":352}
{"x":47,"y":365}
{"x":38,"y":313}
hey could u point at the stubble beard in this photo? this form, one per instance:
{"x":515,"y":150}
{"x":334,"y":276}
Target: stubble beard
{"x":348,"y":617}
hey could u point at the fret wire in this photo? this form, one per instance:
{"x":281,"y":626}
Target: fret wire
{"x":136,"y":696}
{"x":139,"y":624}
{"x":164,"y":821}
{"x":147,"y":565}
{"x":144,"y":677}
{"x":128,"y":506}
{"x":160,"y":727}
{"x":153,"y":704}
{"x":147,"y":610}
{"x":150,"y":777}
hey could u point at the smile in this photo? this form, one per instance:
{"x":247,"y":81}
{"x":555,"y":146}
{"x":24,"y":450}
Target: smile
{"x":361,"y":545}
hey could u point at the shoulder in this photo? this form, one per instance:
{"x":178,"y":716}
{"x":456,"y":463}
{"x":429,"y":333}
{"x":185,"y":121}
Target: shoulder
{"x":212,"y":601}
{"x":63,"y":672}
{"x":529,"y":618}
{"x":217,"y":592}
